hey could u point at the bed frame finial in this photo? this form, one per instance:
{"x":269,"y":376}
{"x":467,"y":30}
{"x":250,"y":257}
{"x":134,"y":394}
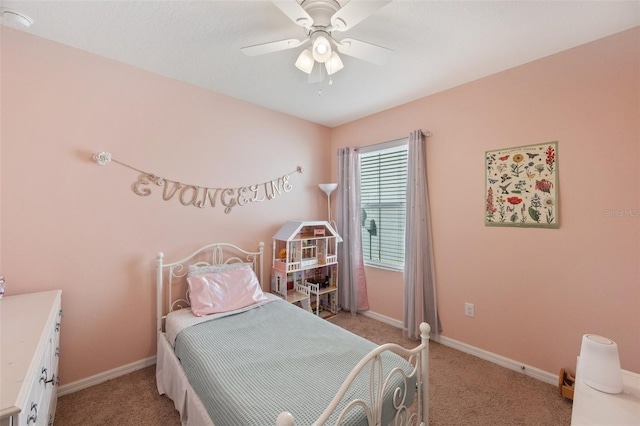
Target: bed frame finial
{"x":425,"y":329}
{"x":285,"y":419}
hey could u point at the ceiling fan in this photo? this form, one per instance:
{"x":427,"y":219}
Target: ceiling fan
{"x":320,"y":19}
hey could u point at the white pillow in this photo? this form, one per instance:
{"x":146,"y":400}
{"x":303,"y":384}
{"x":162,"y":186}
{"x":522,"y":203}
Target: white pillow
{"x":224,"y":291}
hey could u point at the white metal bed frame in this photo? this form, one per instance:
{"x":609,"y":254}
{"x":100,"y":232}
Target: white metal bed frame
{"x":220,"y":254}
{"x":225,"y":253}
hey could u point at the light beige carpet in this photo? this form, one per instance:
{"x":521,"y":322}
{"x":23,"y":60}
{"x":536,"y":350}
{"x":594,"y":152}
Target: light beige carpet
{"x":464,"y":390}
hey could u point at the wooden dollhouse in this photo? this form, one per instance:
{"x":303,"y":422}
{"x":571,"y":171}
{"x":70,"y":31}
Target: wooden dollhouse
{"x":305,"y":265}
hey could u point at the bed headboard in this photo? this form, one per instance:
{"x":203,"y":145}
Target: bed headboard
{"x":174,"y":274}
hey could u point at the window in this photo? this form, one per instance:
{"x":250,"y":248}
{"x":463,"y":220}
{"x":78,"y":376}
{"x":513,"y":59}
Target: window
{"x":383,"y":194}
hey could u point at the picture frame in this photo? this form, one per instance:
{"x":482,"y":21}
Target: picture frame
{"x":521,"y":186}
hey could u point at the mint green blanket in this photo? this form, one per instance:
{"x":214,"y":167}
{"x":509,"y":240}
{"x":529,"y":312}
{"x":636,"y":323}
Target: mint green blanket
{"x":249,"y":367}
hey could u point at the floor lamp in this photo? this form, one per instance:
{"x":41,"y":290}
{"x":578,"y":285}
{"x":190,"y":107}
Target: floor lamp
{"x":328,"y":188}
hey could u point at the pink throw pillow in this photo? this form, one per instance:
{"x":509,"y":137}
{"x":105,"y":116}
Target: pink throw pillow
{"x":224,"y":291}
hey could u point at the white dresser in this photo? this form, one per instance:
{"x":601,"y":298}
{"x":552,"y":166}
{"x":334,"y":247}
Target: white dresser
{"x":29,"y":333}
{"x":592,"y":407}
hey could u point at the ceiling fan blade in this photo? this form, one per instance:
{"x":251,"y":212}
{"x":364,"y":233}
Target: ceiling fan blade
{"x":354,"y":12}
{"x":363,"y":50}
{"x":274,"y":46}
{"x":295,"y":12}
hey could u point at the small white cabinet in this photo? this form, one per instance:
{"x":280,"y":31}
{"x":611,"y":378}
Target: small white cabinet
{"x":595,"y":408}
{"x":30,"y":331}
{"x":305,"y":265}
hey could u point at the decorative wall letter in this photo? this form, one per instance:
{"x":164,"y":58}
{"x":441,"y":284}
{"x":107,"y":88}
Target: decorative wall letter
{"x":200,"y":196}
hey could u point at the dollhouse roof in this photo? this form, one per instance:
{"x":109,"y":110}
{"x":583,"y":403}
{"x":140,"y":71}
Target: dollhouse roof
{"x":291,"y":229}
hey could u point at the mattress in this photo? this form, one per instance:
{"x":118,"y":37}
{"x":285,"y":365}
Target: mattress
{"x":248,"y":367}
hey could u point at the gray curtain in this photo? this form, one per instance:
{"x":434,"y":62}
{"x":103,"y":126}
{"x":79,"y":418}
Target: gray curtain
{"x":419,"y":275}
{"x":352,"y":284}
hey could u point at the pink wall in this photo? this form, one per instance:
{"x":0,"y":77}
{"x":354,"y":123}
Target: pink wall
{"x":69,"y":223}
{"x":536,"y":291}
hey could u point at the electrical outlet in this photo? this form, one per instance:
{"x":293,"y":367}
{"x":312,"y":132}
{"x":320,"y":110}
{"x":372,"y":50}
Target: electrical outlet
{"x":469,"y":310}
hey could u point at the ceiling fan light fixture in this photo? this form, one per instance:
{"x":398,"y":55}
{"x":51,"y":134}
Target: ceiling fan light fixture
{"x":334,"y":64}
{"x":305,"y":61}
{"x":321,"y":49}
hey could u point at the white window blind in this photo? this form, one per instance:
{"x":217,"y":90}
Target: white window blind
{"x":383,"y":187}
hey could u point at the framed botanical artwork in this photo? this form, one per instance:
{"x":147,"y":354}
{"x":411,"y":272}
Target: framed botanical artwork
{"x":521,"y":186}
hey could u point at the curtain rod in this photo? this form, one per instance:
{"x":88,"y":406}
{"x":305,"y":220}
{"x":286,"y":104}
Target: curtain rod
{"x":390,"y":143}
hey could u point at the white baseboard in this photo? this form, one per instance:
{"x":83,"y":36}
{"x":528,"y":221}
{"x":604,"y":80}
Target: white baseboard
{"x":527,"y":370}
{"x":382,"y":318}
{"x":107,"y":375}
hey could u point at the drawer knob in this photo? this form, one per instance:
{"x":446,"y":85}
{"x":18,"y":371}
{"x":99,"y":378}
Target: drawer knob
{"x":43,"y":376}
{"x":33,"y":417}
{"x":53,"y":380}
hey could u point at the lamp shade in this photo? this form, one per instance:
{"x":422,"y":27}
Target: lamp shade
{"x":600,"y":364}
{"x":321,"y":49}
{"x":328,"y":188}
{"x":334,"y":64}
{"x":305,"y":61}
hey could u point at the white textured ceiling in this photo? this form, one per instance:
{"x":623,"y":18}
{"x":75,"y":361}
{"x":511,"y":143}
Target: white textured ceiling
{"x":437,"y":45}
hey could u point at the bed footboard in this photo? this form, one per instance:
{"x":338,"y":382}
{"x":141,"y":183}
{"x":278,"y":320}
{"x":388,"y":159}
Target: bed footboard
{"x":418,"y":357}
